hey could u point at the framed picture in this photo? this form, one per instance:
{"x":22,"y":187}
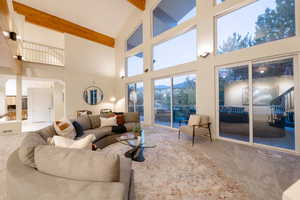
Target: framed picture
{"x":261,"y":96}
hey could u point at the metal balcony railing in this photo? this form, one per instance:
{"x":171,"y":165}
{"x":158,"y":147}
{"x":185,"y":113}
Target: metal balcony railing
{"x":39,"y":53}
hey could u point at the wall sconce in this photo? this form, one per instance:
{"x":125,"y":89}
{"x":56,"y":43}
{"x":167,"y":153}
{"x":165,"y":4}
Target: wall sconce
{"x":18,"y":57}
{"x":12,"y":35}
{"x":204,"y":54}
{"x":6,"y":34}
{"x":113,"y":99}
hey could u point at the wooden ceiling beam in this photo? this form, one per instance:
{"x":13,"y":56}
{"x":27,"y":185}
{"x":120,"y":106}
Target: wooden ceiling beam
{"x":141,"y":4}
{"x":41,"y":18}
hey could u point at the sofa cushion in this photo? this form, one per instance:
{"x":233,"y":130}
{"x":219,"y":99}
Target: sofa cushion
{"x":47,"y":132}
{"x":132,"y":117}
{"x":26,"y":183}
{"x":99,"y":132}
{"x":26,"y":150}
{"x":90,"y":165}
{"x":85,"y":122}
{"x":95,"y":121}
{"x":131,"y":125}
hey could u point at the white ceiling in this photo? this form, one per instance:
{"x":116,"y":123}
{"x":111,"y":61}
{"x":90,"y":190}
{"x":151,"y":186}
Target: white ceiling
{"x":103,"y":16}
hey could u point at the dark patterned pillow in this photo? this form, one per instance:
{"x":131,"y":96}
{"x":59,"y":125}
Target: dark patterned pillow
{"x":120,"y":120}
{"x":78,"y":129}
{"x":95,"y":121}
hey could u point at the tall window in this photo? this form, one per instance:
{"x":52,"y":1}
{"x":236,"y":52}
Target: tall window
{"x":170,"y":13}
{"x":260,"y":22}
{"x":136,"y":98}
{"x":136,"y":38}
{"x":179,"y":50}
{"x":219,"y":1}
{"x":174,"y":100}
{"x":135,"y":65}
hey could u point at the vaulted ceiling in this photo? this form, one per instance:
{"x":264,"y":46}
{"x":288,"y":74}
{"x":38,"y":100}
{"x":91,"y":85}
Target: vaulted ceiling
{"x":103,"y":16}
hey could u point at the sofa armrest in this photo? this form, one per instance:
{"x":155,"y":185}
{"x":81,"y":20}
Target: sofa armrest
{"x":125,"y":174}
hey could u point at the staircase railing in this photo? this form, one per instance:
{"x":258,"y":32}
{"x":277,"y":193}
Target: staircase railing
{"x":282,"y":109}
{"x":40,"y":53}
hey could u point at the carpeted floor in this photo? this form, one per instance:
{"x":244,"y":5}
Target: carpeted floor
{"x":175,"y":170}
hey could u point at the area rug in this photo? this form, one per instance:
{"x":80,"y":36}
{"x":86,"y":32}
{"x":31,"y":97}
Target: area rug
{"x":176,"y":170}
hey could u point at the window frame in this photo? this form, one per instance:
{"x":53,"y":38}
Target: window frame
{"x":295,"y":57}
{"x":126,"y":64}
{"x":234,"y":7}
{"x":154,"y":38}
{"x":127,"y":95}
{"x":179,"y":33}
{"x":140,"y":22}
{"x":171,"y":77}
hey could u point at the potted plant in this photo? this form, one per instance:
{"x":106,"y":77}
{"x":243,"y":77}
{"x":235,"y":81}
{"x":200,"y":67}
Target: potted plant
{"x":137,"y":130}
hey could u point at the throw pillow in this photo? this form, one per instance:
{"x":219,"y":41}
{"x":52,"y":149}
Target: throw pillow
{"x":132,"y":117}
{"x":120,"y":119}
{"x":194,"y":120}
{"x":83,"y":143}
{"x":119,"y":129}
{"x":95,"y":121}
{"x":78,"y":129}
{"x":107,"y":115}
{"x":107,"y":122}
{"x":65,"y":128}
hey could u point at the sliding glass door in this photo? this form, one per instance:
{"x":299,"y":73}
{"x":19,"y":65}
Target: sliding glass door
{"x":136,"y":98}
{"x":162,"y":101}
{"x":273,"y":103}
{"x":184,"y":98}
{"x":256,"y":103}
{"x":174,"y":100}
{"x":234,"y":103}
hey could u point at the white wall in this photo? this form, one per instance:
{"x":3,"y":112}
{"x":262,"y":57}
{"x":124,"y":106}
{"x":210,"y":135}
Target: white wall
{"x":203,"y":67}
{"x":58,"y":100}
{"x":86,"y":64}
{"x":41,"y":35}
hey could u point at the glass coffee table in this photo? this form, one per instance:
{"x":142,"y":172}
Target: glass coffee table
{"x":137,"y":144}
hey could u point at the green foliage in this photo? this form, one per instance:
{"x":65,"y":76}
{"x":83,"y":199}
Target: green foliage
{"x":273,"y":24}
{"x":276,"y":24}
{"x":235,"y":42}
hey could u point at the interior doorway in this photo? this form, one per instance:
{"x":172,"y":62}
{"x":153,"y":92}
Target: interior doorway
{"x":42,"y":103}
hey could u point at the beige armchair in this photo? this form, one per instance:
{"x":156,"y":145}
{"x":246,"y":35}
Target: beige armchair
{"x":197,"y":125}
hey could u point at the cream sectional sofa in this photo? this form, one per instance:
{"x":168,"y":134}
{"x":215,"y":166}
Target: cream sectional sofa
{"x":37,"y":171}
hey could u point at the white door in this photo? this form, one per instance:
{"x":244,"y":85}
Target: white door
{"x":39,"y":104}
